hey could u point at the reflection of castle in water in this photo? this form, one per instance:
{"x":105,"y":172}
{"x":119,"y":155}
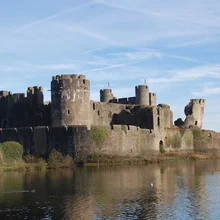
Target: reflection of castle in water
{"x":180,"y":189}
{"x":126,"y":192}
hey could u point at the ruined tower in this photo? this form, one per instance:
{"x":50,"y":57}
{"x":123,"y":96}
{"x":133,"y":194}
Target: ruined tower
{"x":106,"y":95}
{"x":194,"y":112}
{"x":142,"y":95}
{"x":70,"y":97}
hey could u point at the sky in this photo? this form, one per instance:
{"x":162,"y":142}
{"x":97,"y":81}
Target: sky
{"x":172,"y":45}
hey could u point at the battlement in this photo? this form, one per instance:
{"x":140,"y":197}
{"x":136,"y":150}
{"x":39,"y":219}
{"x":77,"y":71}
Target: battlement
{"x":145,"y":87}
{"x":106,"y":90}
{"x":197,"y":101}
{"x":34,"y":89}
{"x":5,"y":93}
{"x":127,"y":100}
{"x":18,"y":97}
{"x":65,"y":81}
{"x":68,"y":76}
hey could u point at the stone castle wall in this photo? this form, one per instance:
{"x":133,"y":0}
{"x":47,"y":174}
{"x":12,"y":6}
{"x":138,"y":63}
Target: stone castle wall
{"x":101,"y":113}
{"x":120,"y":140}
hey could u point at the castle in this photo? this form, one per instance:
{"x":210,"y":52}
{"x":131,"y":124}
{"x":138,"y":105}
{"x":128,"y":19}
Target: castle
{"x":73,"y":124}
{"x":71,"y":106}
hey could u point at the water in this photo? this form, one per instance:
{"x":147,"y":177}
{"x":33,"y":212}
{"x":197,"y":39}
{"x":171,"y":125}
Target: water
{"x":179,"y":190}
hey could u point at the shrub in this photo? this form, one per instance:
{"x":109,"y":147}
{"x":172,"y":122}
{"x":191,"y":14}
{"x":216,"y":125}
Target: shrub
{"x":200,"y":138}
{"x":161,"y":147}
{"x":57,"y":160}
{"x":33,"y":159}
{"x":11,"y":152}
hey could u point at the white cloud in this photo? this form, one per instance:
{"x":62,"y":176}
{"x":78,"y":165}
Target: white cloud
{"x":50,"y":17}
{"x":212,"y":71}
{"x":207,"y":91}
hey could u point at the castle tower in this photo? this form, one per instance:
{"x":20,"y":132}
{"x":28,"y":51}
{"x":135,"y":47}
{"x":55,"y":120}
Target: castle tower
{"x":106,"y":95}
{"x":4,"y":108}
{"x":142,"y":95}
{"x":194,"y":112}
{"x":152,"y":99}
{"x":35,"y":95}
{"x":70,"y":100}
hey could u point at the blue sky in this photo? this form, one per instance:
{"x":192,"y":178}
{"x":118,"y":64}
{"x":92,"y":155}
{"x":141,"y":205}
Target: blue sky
{"x":173,"y":44}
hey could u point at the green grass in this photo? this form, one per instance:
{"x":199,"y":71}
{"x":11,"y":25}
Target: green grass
{"x":22,"y":167}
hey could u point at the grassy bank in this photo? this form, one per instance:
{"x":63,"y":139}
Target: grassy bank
{"x":94,"y":160}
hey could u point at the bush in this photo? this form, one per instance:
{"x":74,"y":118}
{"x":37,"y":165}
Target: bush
{"x":11,"y":152}
{"x":33,"y":159}
{"x":57,"y":160}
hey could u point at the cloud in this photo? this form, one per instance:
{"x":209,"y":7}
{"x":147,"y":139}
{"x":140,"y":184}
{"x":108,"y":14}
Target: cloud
{"x":197,"y":43}
{"x":88,"y":33}
{"x":50,"y":17}
{"x":207,"y":91}
{"x":205,"y":71}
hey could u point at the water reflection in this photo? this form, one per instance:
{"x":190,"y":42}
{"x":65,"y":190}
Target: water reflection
{"x":184,"y":190}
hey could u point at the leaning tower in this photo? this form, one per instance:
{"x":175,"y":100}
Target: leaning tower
{"x":194,"y":112}
{"x":70,"y":99}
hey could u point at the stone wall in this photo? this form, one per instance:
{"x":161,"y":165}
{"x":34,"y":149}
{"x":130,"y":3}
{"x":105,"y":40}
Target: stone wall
{"x":121,"y":140}
{"x":101,"y":113}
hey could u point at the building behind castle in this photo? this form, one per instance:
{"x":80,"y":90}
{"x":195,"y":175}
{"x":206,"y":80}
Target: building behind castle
{"x":71,"y":105}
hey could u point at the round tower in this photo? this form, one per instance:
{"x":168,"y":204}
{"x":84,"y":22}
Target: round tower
{"x":142,"y":95}
{"x":106,"y":95}
{"x":70,"y":100}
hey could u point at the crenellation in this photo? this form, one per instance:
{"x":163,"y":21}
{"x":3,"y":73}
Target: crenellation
{"x":74,"y":76}
{"x":82,"y":76}
{"x":131,"y":100}
{"x":123,"y":100}
{"x":18,"y":97}
{"x":65,"y":76}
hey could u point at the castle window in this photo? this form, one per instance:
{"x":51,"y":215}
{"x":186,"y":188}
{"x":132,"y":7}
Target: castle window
{"x":196,"y":122}
{"x":158,"y":121}
{"x":93,"y":106}
{"x":98,"y":113}
{"x":68,"y":111}
{"x":158,"y":111}
{"x":84,"y":81}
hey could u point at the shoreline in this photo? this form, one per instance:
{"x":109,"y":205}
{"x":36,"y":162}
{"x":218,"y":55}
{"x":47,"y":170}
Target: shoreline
{"x":104,"y":160}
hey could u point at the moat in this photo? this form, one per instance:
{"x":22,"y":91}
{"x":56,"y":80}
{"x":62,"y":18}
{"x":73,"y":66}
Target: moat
{"x":177,"y":190}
